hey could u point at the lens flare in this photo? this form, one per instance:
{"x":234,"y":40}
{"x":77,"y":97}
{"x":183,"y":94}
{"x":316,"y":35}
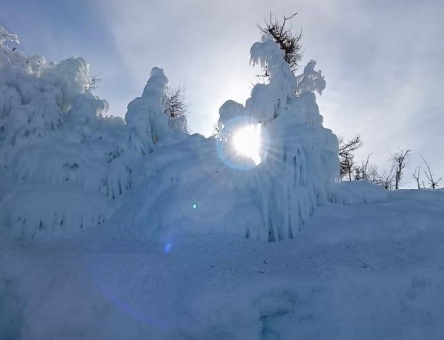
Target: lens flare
{"x":167,"y":248}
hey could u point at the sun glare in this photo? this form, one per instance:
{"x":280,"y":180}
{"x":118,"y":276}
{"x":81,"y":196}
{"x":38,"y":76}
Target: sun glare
{"x":247,"y":142}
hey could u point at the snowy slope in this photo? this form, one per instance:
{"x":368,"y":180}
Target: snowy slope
{"x":370,"y":271}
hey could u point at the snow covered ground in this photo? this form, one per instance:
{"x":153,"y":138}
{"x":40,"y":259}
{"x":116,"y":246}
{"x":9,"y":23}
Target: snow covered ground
{"x":368,"y":271}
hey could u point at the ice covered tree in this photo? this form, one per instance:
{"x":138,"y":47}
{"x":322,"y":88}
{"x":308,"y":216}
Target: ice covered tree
{"x":288,"y":41}
{"x":203,"y":185}
{"x":146,"y":121}
{"x":61,"y":158}
{"x":54,"y":144}
{"x":155,"y":118}
{"x":36,"y":96}
{"x":176,"y":108}
{"x":299,"y":157}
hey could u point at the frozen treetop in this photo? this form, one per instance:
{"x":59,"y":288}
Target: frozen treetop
{"x":269,"y":100}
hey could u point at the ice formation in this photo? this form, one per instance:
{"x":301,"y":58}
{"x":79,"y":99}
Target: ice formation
{"x":65,"y":166}
{"x":62,"y":161}
{"x":192,"y":187}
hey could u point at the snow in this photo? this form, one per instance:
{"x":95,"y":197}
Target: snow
{"x":363,"y":271}
{"x":134,"y":229}
{"x":56,"y":133}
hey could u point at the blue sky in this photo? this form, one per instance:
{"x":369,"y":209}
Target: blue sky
{"x":383,"y":60}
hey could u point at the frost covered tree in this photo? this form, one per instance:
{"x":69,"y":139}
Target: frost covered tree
{"x":153,"y":121}
{"x":54,"y":144}
{"x":176,"y":108}
{"x":36,"y":97}
{"x":175,"y":105}
{"x":268,"y":200}
{"x":288,"y":41}
{"x":299,"y":148}
{"x":61,"y":157}
{"x":146,"y":121}
{"x":154,"y":117}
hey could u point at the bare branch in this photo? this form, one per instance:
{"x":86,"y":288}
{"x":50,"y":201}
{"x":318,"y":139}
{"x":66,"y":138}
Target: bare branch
{"x":432,"y":182}
{"x":386,"y":179}
{"x":416,"y":176}
{"x":346,"y":156}
{"x":399,"y":163}
{"x":285,"y":18}
{"x":366,"y":171}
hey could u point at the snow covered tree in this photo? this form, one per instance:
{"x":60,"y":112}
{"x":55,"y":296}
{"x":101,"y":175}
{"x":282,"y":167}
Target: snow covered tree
{"x":36,"y":96}
{"x":146,"y":120}
{"x":175,"y":105}
{"x":295,"y":144}
{"x":287,"y":41}
{"x":54,"y":144}
{"x":176,"y":109}
{"x":156,"y":118}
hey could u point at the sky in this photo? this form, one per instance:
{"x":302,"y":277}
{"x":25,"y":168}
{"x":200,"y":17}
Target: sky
{"x":383,"y":61}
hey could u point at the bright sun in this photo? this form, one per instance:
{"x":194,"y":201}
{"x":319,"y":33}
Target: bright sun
{"x":247,"y":142}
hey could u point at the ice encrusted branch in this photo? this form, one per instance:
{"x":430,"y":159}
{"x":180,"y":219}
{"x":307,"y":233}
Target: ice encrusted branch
{"x":6,"y":36}
{"x":310,"y":80}
{"x":268,"y":55}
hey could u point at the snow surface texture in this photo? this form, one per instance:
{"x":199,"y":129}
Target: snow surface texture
{"x":65,"y":166}
{"x":370,"y":271}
